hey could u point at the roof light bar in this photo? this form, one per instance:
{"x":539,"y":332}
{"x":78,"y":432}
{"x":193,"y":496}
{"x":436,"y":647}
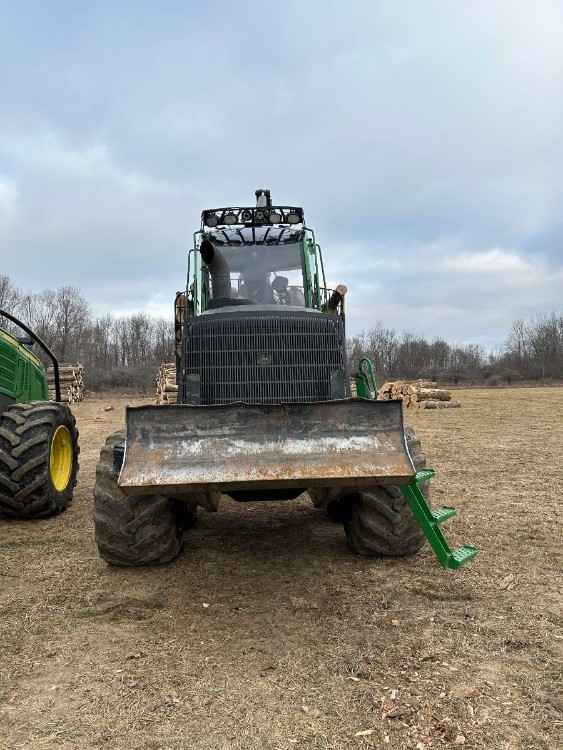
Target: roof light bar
{"x":255,"y":216}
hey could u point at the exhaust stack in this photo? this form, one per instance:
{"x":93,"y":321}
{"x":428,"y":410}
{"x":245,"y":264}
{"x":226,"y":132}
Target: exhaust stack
{"x":218,"y":268}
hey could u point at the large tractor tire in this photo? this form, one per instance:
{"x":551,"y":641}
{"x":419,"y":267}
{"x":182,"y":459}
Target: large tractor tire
{"x":132,"y":530}
{"x":38,"y":459}
{"x":379,"y":522}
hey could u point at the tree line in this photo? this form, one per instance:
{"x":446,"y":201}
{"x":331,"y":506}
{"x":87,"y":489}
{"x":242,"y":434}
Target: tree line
{"x":533,"y":351}
{"x":126,"y":350}
{"x":117,"y":351}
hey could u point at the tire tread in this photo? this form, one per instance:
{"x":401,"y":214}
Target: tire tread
{"x":25,"y":434}
{"x":379,"y":522}
{"x":131,"y":530}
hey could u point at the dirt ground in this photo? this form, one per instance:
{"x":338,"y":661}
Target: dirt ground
{"x":268,"y":634}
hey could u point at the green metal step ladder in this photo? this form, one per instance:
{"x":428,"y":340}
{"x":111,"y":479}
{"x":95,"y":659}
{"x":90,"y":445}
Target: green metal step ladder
{"x":430,"y":521}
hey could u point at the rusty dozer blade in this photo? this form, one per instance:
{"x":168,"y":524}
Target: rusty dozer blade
{"x":184,"y":449}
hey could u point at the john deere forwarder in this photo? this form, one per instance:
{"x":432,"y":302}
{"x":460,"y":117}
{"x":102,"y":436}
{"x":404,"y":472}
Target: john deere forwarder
{"x":265,"y":407}
{"x":38,"y":437}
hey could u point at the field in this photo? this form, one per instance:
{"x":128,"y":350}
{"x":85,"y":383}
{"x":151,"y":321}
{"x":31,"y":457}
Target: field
{"x":267,"y":634}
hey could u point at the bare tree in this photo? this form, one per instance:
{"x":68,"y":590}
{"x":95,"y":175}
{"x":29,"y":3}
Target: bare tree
{"x":9,"y":295}
{"x":127,"y":349}
{"x":72,"y":317}
{"x":39,"y":312}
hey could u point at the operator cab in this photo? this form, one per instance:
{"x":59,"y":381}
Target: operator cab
{"x":265,"y":266}
{"x":262,"y":255}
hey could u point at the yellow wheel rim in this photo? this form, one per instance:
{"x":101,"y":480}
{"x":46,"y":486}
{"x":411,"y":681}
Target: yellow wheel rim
{"x":61,"y":459}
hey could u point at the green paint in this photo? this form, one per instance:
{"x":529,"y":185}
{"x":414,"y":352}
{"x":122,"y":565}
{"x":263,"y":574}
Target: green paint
{"x":430,"y":521}
{"x":22,"y":375}
{"x":366,"y":384}
{"x":308,"y":273}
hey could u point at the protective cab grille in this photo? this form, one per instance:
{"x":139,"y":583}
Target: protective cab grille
{"x":264,"y":358}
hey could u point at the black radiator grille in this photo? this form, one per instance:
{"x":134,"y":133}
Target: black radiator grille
{"x":264,"y":358}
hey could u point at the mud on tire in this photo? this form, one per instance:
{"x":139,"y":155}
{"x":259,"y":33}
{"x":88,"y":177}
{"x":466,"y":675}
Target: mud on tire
{"x":131,"y":530}
{"x":26,"y":434}
{"x":379,"y":522}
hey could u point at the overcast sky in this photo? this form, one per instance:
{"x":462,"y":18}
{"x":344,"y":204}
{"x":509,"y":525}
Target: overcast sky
{"x":424,"y":140}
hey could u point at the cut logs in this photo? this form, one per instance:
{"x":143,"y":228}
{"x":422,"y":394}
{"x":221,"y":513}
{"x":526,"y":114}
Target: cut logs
{"x":166,"y":388}
{"x":394,"y":390}
{"x":453,"y":404}
{"x":71,"y":378}
{"x":421,"y":392}
{"x":433,"y":394}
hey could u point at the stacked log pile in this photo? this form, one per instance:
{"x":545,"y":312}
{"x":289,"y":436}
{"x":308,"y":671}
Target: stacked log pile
{"x":394,"y":390}
{"x":166,"y":388}
{"x":425,"y":393}
{"x":71,"y":378}
{"x":435,"y":398}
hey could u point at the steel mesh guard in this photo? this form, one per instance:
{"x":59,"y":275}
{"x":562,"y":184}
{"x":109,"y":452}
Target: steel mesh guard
{"x":264,"y":358}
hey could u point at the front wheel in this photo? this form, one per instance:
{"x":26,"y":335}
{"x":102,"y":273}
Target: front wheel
{"x":379,"y":522}
{"x":131,"y":530}
{"x":38,"y":459}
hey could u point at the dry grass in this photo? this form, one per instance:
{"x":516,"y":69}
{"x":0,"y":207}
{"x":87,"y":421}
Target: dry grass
{"x":302,"y":645}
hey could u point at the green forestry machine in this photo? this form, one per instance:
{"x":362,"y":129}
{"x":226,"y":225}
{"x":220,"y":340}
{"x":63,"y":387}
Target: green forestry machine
{"x":38,"y":437}
{"x":266,"y":408}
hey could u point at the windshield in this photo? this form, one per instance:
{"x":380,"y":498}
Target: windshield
{"x":265,"y":274}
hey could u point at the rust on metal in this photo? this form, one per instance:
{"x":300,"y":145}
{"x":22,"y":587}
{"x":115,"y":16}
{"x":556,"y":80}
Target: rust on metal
{"x":182,"y":448}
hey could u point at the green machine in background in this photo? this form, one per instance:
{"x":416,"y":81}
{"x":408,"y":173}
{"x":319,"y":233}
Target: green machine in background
{"x":38,"y":437}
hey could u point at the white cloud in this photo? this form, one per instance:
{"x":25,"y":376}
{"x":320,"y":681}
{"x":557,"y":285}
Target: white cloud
{"x":8,"y":204}
{"x":426,"y":147}
{"x":158,"y":305}
{"x":47,"y":151}
{"x":494,"y":261}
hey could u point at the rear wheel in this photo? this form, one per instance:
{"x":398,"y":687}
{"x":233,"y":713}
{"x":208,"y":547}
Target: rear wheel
{"x":38,"y":459}
{"x":379,"y":522}
{"x":131,"y":530}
